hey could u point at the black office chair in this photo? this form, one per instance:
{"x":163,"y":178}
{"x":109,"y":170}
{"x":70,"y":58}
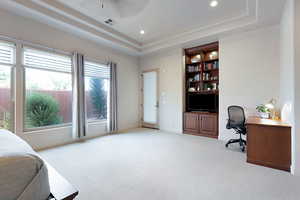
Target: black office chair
{"x":236,"y":122}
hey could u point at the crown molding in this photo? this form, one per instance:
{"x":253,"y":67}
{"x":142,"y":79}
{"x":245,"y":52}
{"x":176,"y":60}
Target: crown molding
{"x":95,"y":30}
{"x":76,"y":15}
{"x":82,"y":23}
{"x":249,"y":17}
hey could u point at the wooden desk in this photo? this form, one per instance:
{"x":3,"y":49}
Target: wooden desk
{"x":269,"y":143}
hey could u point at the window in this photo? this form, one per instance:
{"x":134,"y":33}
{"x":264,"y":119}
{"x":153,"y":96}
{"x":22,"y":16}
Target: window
{"x":96,"y":90}
{"x":48,"y":89}
{"x":7,"y":63}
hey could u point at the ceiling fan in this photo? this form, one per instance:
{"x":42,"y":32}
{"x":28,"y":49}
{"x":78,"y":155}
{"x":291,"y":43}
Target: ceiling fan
{"x":125,"y":8}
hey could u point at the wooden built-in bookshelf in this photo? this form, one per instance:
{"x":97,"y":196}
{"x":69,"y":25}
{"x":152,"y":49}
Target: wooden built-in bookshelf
{"x":202,"y":76}
{"x":202,"y":90}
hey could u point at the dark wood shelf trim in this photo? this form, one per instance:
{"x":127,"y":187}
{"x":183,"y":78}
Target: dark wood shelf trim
{"x":211,"y":81}
{"x":212,"y":60}
{"x":195,"y":63}
{"x":194,"y":82}
{"x":196,"y":72}
{"x":203,"y":81}
{"x":205,"y":92}
{"x":199,"y":134}
{"x":211,"y":70}
{"x":202,"y":48}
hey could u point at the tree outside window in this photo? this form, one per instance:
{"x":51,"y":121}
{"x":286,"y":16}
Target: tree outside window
{"x":96,"y":92}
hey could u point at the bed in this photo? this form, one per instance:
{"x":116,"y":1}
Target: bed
{"x":23,"y":174}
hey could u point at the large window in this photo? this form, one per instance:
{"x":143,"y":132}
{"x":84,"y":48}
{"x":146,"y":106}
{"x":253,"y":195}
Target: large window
{"x":44,"y":88}
{"x":7,"y":62}
{"x":48,"y":89}
{"x":96,"y":90}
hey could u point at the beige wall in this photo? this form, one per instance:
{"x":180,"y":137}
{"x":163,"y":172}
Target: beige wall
{"x":297,"y":86}
{"x":128,"y":73}
{"x":249,"y":72}
{"x":290,"y":73}
{"x":170,"y":68}
{"x":287,"y":69}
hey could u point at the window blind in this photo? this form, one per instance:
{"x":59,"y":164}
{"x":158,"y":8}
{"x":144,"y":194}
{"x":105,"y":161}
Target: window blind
{"x":7,"y":53}
{"x":48,"y":61}
{"x":92,"y":69}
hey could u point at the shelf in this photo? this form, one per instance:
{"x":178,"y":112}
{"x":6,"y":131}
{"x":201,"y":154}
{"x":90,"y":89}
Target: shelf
{"x":213,"y":60}
{"x":204,"y":81}
{"x":211,"y":81}
{"x":196,"y":63}
{"x":205,"y":92}
{"x":202,"y":49}
{"x":196,"y":72}
{"x":191,"y":82}
{"x":205,"y":61}
{"x":211,"y":70}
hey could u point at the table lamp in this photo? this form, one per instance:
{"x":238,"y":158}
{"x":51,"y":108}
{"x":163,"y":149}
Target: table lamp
{"x":271,"y":106}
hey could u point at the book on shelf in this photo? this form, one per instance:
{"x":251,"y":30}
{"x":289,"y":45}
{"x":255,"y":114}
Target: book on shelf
{"x":194,"y":68}
{"x":211,"y":66}
{"x":195,"y":78}
{"x":209,"y":77}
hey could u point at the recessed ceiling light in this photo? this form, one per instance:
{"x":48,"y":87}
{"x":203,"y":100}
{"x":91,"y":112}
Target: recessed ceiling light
{"x":142,"y":32}
{"x":214,"y":3}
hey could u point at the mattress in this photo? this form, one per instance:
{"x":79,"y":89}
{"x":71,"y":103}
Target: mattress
{"x":23,"y":174}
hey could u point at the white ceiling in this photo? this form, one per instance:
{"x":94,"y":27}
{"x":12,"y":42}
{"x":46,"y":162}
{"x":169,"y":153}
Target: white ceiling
{"x":166,"y":22}
{"x":160,"y":18}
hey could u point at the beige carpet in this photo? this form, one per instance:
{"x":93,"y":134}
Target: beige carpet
{"x":152,"y":165}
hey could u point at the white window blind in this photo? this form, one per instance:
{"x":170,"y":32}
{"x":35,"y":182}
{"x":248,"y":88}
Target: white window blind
{"x":48,"y":61}
{"x":7,"y":53}
{"x":92,"y":69}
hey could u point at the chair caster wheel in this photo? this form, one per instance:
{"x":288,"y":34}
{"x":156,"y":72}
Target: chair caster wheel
{"x":226,"y":145}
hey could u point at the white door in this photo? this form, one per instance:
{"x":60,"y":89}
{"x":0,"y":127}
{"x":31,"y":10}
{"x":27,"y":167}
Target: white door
{"x":150,"y":99}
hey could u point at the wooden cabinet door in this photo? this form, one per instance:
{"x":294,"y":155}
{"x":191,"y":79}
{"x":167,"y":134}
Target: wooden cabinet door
{"x":269,"y":146}
{"x":191,"y":123}
{"x":208,"y":124}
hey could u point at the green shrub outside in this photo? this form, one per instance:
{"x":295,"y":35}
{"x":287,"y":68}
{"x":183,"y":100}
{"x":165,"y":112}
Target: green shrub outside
{"x":42,"y":110}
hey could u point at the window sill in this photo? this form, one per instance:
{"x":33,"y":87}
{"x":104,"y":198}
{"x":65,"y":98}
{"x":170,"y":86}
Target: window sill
{"x":92,"y":122}
{"x":45,"y":128}
{"x":42,"y":130}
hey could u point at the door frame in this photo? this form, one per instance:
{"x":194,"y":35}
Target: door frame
{"x":144,"y":124}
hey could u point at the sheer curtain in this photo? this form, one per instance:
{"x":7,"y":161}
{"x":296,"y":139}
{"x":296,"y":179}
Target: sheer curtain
{"x":79,"y":109}
{"x":113,"y":100}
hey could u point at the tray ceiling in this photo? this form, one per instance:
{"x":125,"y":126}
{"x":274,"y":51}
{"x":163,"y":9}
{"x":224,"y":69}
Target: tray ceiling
{"x":166,"y":23}
{"x":160,"y":19}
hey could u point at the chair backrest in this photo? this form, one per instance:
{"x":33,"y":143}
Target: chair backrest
{"x":236,"y":116}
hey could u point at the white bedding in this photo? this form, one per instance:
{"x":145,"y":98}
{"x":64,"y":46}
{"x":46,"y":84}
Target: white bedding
{"x":23,"y":175}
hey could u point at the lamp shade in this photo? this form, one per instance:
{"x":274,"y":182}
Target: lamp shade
{"x":271,"y":104}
